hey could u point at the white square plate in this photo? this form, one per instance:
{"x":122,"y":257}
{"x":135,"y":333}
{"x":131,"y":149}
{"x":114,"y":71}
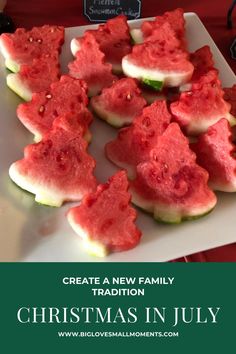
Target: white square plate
{"x":31,"y":232}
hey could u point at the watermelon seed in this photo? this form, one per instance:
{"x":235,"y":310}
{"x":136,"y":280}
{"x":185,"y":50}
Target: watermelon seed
{"x":166,"y":167}
{"x":55,"y":113}
{"x":41,"y":109}
{"x":39,"y":40}
{"x":129,"y":96}
{"x":49,"y":96}
{"x":31,"y":39}
{"x":155,"y":157}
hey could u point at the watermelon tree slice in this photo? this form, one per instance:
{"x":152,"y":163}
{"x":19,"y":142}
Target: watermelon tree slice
{"x":23,"y":46}
{"x":202,"y":106}
{"x":57,"y":169}
{"x":105,"y":219}
{"x":35,"y":77}
{"x":171,"y":185}
{"x":66,"y":95}
{"x":134,"y":143}
{"x":160,"y":61}
{"x":119,"y":104}
{"x":113,"y":38}
{"x":215,"y":151}
{"x":90,"y":66}
{"x":174,"y":18}
{"x":202,"y":60}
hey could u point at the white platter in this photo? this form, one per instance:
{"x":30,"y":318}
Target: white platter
{"x":33,"y":233}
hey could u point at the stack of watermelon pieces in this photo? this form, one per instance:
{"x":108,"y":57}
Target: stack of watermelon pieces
{"x":159,"y":94}
{"x":33,"y":56}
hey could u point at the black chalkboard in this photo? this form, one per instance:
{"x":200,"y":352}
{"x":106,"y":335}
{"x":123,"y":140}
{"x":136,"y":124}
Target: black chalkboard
{"x":233,"y":49}
{"x":102,"y":10}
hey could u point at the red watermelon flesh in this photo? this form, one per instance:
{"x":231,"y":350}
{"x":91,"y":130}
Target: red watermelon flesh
{"x":171,"y":185}
{"x":120,"y":103}
{"x":174,"y":18}
{"x":66,"y":95}
{"x":23,"y":46}
{"x":57,"y":169}
{"x":202,"y":106}
{"x":35,"y":77}
{"x":114,"y":41}
{"x":160,"y":59}
{"x":134,"y":143}
{"x":215,"y":151}
{"x":105,"y":219}
{"x":202,"y":60}
{"x":90,"y":66}
{"x":76,"y":122}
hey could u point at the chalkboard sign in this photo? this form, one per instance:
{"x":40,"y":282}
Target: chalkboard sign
{"x":102,"y":10}
{"x":233,"y":49}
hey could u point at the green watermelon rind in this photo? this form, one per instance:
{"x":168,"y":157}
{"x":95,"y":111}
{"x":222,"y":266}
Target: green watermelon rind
{"x":74,"y":46}
{"x":165,"y":215}
{"x":155,"y":85}
{"x":95,"y":248}
{"x":12,"y":65}
{"x":136,"y":36}
{"x":169,"y":78}
{"x":111,"y":118}
{"x":196,"y":127}
{"x":229,"y":187}
{"x":87,"y":137}
{"x":16,"y":84}
{"x":43,"y":195}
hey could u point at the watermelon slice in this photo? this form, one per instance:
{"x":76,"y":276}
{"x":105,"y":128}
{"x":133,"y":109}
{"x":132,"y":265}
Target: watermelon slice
{"x":90,"y":66}
{"x":214,"y":151}
{"x":119,"y":104}
{"x":23,"y":46}
{"x":35,"y":77}
{"x":174,"y":18}
{"x":105,"y":219}
{"x":134,"y":143}
{"x":202,"y":60}
{"x":113,"y":38}
{"x":57,"y":169}
{"x":160,"y":61}
{"x":171,"y":185}
{"x":66,"y":95}
{"x":203,"y":106}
